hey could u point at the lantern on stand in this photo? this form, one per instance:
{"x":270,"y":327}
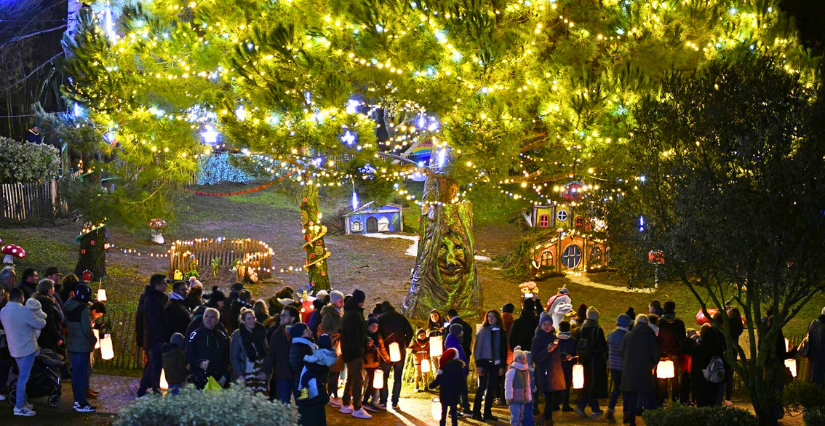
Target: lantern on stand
{"x":436,"y":346}
{"x":106,"y":350}
{"x":425,"y":365}
{"x":436,"y":409}
{"x":791,"y":364}
{"x":665,"y":370}
{"x":97,"y":338}
{"x":378,"y":379}
{"x":395,"y":352}
{"x":163,"y":384}
{"x":578,"y":376}
{"x":101,"y":295}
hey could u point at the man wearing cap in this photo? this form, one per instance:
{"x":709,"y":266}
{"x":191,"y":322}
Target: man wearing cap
{"x":152,"y":331}
{"x":21,"y":325}
{"x":81,"y":342}
{"x":353,"y":348}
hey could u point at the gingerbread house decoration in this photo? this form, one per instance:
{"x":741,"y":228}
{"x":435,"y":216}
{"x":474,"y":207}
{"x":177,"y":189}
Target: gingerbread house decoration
{"x":569,"y":252}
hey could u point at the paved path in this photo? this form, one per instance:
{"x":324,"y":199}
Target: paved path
{"x":585,"y":281}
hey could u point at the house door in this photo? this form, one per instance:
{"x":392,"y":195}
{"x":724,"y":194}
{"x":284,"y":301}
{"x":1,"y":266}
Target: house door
{"x":372,"y":225}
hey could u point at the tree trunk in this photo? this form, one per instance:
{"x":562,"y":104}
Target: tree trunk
{"x":92,"y":256}
{"x":314,"y":231}
{"x":445,"y":273}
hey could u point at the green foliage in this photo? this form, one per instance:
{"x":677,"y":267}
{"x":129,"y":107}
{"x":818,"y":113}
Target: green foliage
{"x":233,"y":406}
{"x":815,"y":417}
{"x":802,"y":396}
{"x":678,"y":415}
{"x":27,"y":162}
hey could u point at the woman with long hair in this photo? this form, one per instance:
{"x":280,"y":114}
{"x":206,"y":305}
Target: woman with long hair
{"x":247,"y":351}
{"x":490,"y":354}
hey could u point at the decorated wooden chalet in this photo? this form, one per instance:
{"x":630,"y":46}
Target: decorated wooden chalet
{"x":569,"y":252}
{"x":371,"y":219}
{"x":562,"y":214}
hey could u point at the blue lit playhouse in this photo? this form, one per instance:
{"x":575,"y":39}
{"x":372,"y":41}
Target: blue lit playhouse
{"x":369,"y":219}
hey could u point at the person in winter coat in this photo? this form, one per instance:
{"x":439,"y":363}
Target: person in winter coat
{"x":467,"y":339}
{"x":152,"y":331}
{"x":331,"y":316}
{"x":207,"y":351}
{"x":490,"y":354}
{"x":394,"y":328}
{"x":177,"y":314}
{"x":435,"y":324}
{"x":301,"y":345}
{"x":524,"y":328}
{"x":277,"y":357}
{"x":248,"y":348}
{"x":242,"y":302}
{"x":816,"y":349}
{"x":194,"y":297}
{"x":81,"y":343}
{"x":640,"y":354}
{"x":51,"y":336}
{"x":559,"y":305}
{"x":567,"y":347}
{"x":28,"y":283}
{"x":353,"y":347}
{"x":518,"y":391}
{"x":174,"y":363}
{"x":452,"y":383}
{"x":578,"y":320}
{"x":548,"y":358}
{"x":21,"y":326}
{"x":315,"y":318}
{"x":592,"y":351}
{"x":670,"y":337}
{"x":420,"y":349}
{"x":507,"y":320}
{"x":736,"y":330}
{"x":703,"y":348}
{"x":655,"y":308}
{"x":313,"y":385}
{"x":375,"y":356}
{"x":453,"y":340}
{"x":615,"y":361}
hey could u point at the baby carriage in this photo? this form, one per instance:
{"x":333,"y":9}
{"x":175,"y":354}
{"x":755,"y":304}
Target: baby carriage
{"x":43,"y":381}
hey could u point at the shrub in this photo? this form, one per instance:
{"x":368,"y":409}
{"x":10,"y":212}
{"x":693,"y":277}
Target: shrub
{"x":707,"y":416}
{"x":814,"y":417}
{"x":27,"y":162}
{"x":802,"y":396}
{"x":234,"y":406}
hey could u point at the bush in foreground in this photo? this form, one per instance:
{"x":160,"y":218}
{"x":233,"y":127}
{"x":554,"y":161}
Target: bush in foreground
{"x":233,"y":406}
{"x":707,"y":416}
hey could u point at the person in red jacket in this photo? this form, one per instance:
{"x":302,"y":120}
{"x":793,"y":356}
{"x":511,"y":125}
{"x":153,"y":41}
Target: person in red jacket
{"x":420,"y":348}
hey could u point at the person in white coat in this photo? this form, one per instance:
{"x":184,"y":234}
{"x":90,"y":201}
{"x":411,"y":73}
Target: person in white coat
{"x":21,"y":326}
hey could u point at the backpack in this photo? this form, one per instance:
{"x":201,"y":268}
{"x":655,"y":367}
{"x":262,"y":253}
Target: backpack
{"x":715,"y":371}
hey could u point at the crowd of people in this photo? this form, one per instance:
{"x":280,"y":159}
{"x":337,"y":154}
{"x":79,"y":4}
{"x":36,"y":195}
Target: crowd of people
{"x":299,"y":354}
{"x":54,"y":317}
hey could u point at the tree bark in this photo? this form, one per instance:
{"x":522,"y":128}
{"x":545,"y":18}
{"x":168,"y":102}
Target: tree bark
{"x":315,"y":247}
{"x":92,"y":255}
{"x":445,"y":274}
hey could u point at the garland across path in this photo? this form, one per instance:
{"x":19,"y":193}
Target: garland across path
{"x":246,"y":191}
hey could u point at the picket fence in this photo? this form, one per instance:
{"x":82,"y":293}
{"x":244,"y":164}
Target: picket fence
{"x":21,"y":202}
{"x":128,"y":356}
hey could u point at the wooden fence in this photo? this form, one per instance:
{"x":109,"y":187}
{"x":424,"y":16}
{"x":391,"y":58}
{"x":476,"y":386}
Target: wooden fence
{"x":197,"y":254}
{"x":21,"y":202}
{"x":127,"y":355}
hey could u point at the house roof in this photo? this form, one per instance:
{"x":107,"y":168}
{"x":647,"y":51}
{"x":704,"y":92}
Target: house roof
{"x":370,"y":208}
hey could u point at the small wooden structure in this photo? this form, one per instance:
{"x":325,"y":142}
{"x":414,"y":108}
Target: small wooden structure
{"x":369,"y":219}
{"x":571,"y":251}
{"x":30,"y":201}
{"x":191,"y":255}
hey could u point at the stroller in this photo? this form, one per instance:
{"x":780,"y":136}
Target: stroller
{"x":43,"y":381}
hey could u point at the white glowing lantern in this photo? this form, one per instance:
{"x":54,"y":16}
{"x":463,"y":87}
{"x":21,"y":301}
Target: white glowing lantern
{"x":106,"y":350}
{"x":378,"y":379}
{"x":101,"y":295}
{"x":578,"y":376}
{"x":395,"y":352}
{"x":436,"y":346}
{"x":787,"y":344}
{"x":791,"y":364}
{"x":425,"y":366}
{"x":436,"y":409}
{"x":97,"y":338}
{"x":163,"y":384}
{"x":665,"y":370}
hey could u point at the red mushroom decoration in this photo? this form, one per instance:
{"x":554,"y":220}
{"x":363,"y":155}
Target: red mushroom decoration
{"x":11,"y":251}
{"x":157,"y":226}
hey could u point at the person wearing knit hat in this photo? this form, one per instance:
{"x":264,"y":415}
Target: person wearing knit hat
{"x":545,"y":316}
{"x":420,"y":349}
{"x":359,"y":296}
{"x":518,"y":390}
{"x":336,"y":297}
{"x":374,"y":356}
{"x":614,"y":362}
{"x":321,"y":294}
{"x":174,"y":363}
{"x":594,"y":360}
{"x":451,"y":382}
{"x":216,"y":299}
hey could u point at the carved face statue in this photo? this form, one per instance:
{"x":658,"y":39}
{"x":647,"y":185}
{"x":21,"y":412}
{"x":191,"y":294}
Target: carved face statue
{"x":452,"y":257}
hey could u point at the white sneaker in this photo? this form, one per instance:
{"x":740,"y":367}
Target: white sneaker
{"x":84,"y":409}
{"x":25,"y":412}
{"x":335,"y":402}
{"x":347,"y":409}
{"x":361,"y":414}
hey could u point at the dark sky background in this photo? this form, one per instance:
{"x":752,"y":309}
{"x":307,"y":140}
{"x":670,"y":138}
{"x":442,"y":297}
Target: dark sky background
{"x":810,"y":20}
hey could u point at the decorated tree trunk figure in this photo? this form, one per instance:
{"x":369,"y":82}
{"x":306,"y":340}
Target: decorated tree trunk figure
{"x":445,"y":272}
{"x":314,"y":231}
{"x":93,"y":247}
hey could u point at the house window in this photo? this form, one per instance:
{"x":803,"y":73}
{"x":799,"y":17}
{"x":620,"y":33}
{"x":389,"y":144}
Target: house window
{"x":544,"y":221}
{"x":578,"y":222}
{"x":562,"y":216}
{"x":356,"y":226}
{"x":572,"y":256}
{"x":547,"y":258}
{"x":383,"y":225}
{"x":372,"y":225}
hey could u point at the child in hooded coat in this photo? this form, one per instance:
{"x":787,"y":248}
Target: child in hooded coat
{"x":315,"y":372}
{"x":374,"y":356}
{"x":452,"y":382}
{"x":174,"y":363}
{"x":420,"y":347}
{"x":518,"y":391}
